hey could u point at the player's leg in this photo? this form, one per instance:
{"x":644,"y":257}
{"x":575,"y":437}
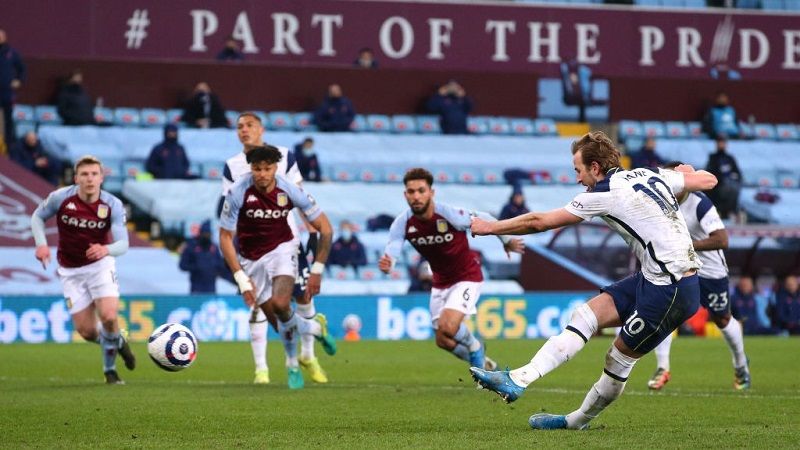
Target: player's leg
{"x":282,"y":286}
{"x":449,"y":307}
{"x":110,"y":342}
{"x":714,"y":296}
{"x":662,"y":374}
{"x":104,"y":289}
{"x":307,"y":310}
{"x":259,"y":328}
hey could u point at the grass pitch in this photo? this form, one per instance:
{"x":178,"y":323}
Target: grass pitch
{"x":391,"y":395}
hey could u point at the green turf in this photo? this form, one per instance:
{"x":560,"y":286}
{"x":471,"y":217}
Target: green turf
{"x":389,"y":395}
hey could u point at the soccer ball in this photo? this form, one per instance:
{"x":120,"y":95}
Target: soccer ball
{"x":351,"y":322}
{"x":172,"y":347}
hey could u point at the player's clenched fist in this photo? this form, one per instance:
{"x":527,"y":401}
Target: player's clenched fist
{"x":385,"y":264}
{"x":480,"y":227}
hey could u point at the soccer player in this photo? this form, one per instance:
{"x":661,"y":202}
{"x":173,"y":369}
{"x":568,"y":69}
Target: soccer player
{"x":250,"y":132}
{"x":257,"y":209}
{"x":640,"y":205}
{"x":709,"y":239}
{"x":438,"y":232}
{"x":91,"y":233}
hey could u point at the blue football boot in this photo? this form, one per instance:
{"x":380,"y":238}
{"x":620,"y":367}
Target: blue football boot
{"x":499,"y":382}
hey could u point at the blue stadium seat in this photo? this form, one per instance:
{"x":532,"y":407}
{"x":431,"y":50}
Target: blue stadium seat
{"x":764,"y":131}
{"x":694,"y":3}
{"x":654,"y":129}
{"x":647,"y":2}
{"x":231,"y":116}
{"x":402,"y":123}
{"x":370,"y":175}
{"x":444,"y":176}
{"x":746,"y":130}
{"x":132,"y":168}
{"x":127,"y":117}
{"x":46,"y":115}
{"x":695,"y":130}
{"x":367,"y":273}
{"x":112,"y":175}
{"x":22,"y":128}
{"x":773,"y":4}
{"x":152,"y":117}
{"x":468,"y":176}
{"x":103,"y":115}
{"x":174,"y":117}
{"x":343,"y":172}
{"x":378,"y":123}
{"x":787,"y":132}
{"x":545,"y":127}
{"x":264,"y":118}
{"x":281,"y":121}
{"x":748,"y":4}
{"x":428,"y":125}
{"x":499,"y":125}
{"x":303,"y":121}
{"x":359,"y":123}
{"x":393,"y":174}
{"x":630,"y":129}
{"x":787,"y":179}
{"x":23,"y":113}
{"x":521,"y":126}
{"x":492,"y":176}
{"x":676,"y":130}
{"x":477,"y":125}
{"x":212,"y":169}
{"x":342,"y":273}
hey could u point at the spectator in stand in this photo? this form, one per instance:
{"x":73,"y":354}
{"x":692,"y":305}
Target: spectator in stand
{"x":168,"y":158}
{"x":453,"y":107}
{"x":745,"y":305}
{"x":307,"y":161}
{"x":786,"y":309}
{"x":29,"y":153}
{"x":202,"y":259}
{"x":647,"y":156}
{"x":74,"y":104}
{"x":231,"y":51}
{"x":204,"y":109}
{"x":516,"y":205}
{"x":348,"y":250}
{"x":366,"y":59}
{"x":723,"y":165}
{"x":12,"y":74}
{"x":720,"y":119}
{"x":336,"y":112}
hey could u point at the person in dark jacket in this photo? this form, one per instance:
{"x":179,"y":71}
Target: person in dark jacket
{"x":168,"y":158}
{"x":720,"y":119}
{"x":202,"y":259}
{"x":453,"y":107}
{"x":347,"y":250}
{"x":231,"y":51}
{"x":307,"y":162}
{"x":647,"y":156}
{"x":516,"y":205}
{"x":726,"y":193}
{"x":29,"y":153}
{"x":204,"y":109}
{"x":744,"y":307}
{"x":336,"y":112}
{"x":786,"y":310}
{"x":12,"y":74}
{"x":74,"y":104}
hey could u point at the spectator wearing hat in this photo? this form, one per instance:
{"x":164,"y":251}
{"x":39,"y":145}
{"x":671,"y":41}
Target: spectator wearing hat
{"x":516,"y":205}
{"x":347,"y":250}
{"x":307,"y":162}
{"x":202,"y":259}
{"x":453,"y":107}
{"x":168,"y":159}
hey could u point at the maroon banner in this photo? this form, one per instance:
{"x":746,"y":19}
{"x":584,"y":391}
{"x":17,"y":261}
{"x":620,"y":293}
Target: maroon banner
{"x":614,"y":41}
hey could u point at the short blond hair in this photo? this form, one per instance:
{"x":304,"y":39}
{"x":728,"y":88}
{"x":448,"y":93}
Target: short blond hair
{"x":87,"y":160}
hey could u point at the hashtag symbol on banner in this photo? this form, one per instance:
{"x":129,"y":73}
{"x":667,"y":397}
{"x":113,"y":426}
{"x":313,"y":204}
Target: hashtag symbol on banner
{"x":137,"y":24}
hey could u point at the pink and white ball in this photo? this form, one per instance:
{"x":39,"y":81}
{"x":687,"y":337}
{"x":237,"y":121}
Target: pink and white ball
{"x":172,"y":347}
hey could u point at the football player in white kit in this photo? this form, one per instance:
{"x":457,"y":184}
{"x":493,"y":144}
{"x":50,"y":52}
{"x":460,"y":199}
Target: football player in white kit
{"x":250,"y":132}
{"x":639,"y":205}
{"x":709,"y":239}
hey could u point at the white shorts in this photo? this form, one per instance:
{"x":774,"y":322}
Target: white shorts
{"x":83,"y":285}
{"x":282,"y":260}
{"x":462,"y":296}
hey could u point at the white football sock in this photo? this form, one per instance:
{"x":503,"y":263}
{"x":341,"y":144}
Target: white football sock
{"x":558,"y":349}
{"x":605,"y":391}
{"x":662,"y":352}
{"x":733,"y":336}
{"x":307,"y":311}
{"x":258,"y":340}
{"x":288,"y":332}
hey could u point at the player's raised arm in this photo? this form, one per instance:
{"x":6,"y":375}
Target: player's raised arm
{"x":694,"y":180}
{"x":510,"y":244}
{"x":532,"y":222}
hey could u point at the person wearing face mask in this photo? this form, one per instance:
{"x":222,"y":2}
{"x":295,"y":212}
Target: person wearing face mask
{"x":307,"y":161}
{"x":204,"y":109}
{"x":348,"y":250}
{"x":202,"y":259}
{"x":336,"y":112}
{"x":168,"y":158}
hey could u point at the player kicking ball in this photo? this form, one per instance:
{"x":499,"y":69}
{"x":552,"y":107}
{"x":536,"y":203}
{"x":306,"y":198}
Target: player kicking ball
{"x":256,"y":209}
{"x":640,"y":205}
{"x":91,"y":233}
{"x":438,"y":232}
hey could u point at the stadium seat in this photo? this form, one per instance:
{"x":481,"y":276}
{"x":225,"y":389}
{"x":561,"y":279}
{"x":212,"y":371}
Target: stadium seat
{"x":695,"y":130}
{"x":174,"y":117}
{"x":764,"y":131}
{"x":343,"y":173}
{"x":564,"y":177}
{"x":23,"y":113}
{"x":112,"y":175}
{"x":630,"y":129}
{"x":359,"y":123}
{"x":393,"y":174}
{"x":366,"y":273}
{"x":468,"y":176}
{"x":521,"y":126}
{"x":231,"y":116}
{"x":22,"y":128}
{"x":152,"y":117}
{"x":444,"y":176}
{"x":342,"y":273}
{"x":281,"y":121}
{"x":132,"y":168}
{"x":103,"y":115}
{"x":378,"y":123}
{"x":303,"y":121}
{"x":786,"y":132}
{"x":212,"y":169}
{"x":545,"y":127}
{"x":264,"y":118}
{"x":428,"y":125}
{"x":402,"y":123}
{"x":477,"y":125}
{"x":127,"y":117}
{"x":773,"y":4}
{"x":746,"y":130}
{"x":397,"y":273}
{"x":653,"y":129}
{"x":542,"y":177}
{"x":370,"y":175}
{"x":676,"y":130}
{"x":492,"y":176}
{"x":46,"y":115}
{"x":499,"y":125}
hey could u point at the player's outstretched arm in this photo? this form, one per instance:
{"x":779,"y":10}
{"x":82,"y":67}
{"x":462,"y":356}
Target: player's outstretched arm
{"x":532,"y":222}
{"x":716,"y":240}
{"x":229,"y":253}
{"x":323,"y":226}
{"x":696,"y":180}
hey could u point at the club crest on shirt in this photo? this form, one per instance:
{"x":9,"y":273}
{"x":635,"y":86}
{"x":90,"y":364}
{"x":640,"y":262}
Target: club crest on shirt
{"x":102,"y":211}
{"x":283,"y":199}
{"x":441,"y":225}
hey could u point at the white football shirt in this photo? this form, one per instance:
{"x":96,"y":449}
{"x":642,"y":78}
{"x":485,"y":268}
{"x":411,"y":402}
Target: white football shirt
{"x":702,"y":219}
